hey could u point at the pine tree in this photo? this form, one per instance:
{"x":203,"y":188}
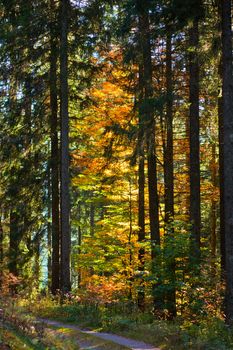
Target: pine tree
{"x":194,"y":132}
{"x":65,"y":179}
{"x":227,"y":99}
{"x":55,"y":156}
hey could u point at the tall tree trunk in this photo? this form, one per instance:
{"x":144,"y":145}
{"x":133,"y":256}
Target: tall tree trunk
{"x":227,"y":94}
{"x":149,"y":124}
{"x":37,"y":269}
{"x":130,"y":238}
{"x":49,"y":232}
{"x":149,"y":130}
{"x":169,"y":179}
{"x":14,"y":243}
{"x":55,"y":156}
{"x":213,"y":216}
{"x":65,"y":178}
{"x":221,"y":178}
{"x":14,"y":233}
{"x":195,"y":210}
{"x":168,"y":164}
{"x":79,"y":240}
{"x":187,"y":166}
{"x":141,"y":189}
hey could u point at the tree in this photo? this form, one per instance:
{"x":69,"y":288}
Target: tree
{"x":169,"y":173}
{"x":141,"y":186}
{"x":55,"y":156}
{"x":65,"y":179}
{"x":149,"y":129}
{"x":194,"y":132}
{"x":227,"y":100}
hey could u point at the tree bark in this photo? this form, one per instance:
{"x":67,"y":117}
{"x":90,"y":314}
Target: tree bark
{"x":65,"y":178}
{"x":79,"y":212}
{"x":141,"y":189}
{"x":195,"y":207}
{"x":55,"y":156}
{"x":227,"y":95}
{"x":37,"y":266}
{"x":14,"y":243}
{"x":221,"y":178}
{"x":149,"y":131}
{"x":169,"y":179}
{"x":168,"y":164}
{"x":49,"y":232}
{"x":213,"y":216}
{"x":149,"y":125}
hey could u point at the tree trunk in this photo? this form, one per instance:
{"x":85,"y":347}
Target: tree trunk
{"x":195,"y":211}
{"x":130,"y":239}
{"x":141,"y":189}
{"x":65,"y":179}
{"x":149,"y":124}
{"x":49,"y":232}
{"x":37,"y":268}
{"x":169,"y":180}
{"x":79,"y":240}
{"x":221,"y":178}
{"x":168,"y":164}
{"x":149,"y":131}
{"x":227,"y":94}
{"x":213,"y":226}
{"x":14,"y":243}
{"x":55,"y":156}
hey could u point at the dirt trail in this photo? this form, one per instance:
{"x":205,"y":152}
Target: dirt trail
{"x":129,"y":343}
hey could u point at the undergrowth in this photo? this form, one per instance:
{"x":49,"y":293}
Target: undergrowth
{"x":207,"y":333}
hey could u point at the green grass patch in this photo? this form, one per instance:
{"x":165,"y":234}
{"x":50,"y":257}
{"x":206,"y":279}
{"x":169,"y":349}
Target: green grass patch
{"x":16,"y":340}
{"x":207,"y":333}
{"x":90,"y":340}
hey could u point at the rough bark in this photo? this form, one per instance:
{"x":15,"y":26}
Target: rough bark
{"x":49,"y":232}
{"x":65,"y":178}
{"x":227,"y":95}
{"x":149,"y":123}
{"x":221,"y":179}
{"x":55,"y":156}
{"x":213,"y":214}
{"x":130,"y":238}
{"x":37,"y":266}
{"x":168,"y":161}
{"x":149,"y":131}
{"x":141,"y":188}
{"x":195,"y":211}
{"x":14,"y":243}
{"x":169,"y":179}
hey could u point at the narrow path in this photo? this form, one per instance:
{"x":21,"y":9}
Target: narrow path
{"x":129,"y":343}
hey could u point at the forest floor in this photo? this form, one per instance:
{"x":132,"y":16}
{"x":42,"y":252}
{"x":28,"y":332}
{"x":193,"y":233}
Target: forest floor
{"x":94,"y":336}
{"x":68,"y":337}
{"x":71,"y":326}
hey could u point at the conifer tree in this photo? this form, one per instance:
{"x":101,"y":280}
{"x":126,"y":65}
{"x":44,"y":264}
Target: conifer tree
{"x":227,"y":100}
{"x":65,"y":179}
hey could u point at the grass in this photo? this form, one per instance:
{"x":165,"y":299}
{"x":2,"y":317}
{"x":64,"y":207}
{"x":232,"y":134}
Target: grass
{"x":91,"y":340}
{"x":207,"y":333}
{"x":52,"y":340}
{"x":16,"y":340}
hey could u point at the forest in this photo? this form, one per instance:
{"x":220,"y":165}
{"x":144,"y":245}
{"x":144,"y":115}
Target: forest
{"x":116,"y":173}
